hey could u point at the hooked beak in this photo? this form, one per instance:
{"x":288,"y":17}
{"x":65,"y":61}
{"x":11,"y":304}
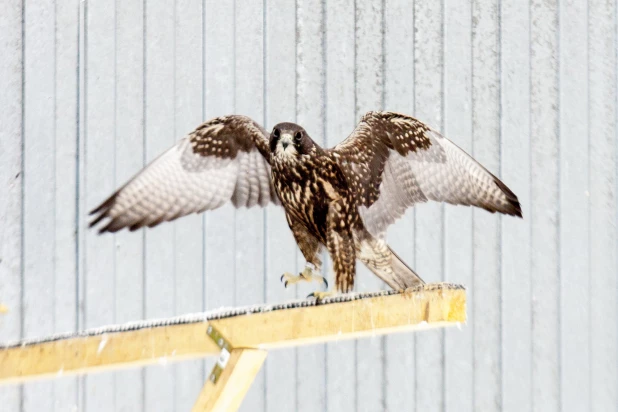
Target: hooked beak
{"x":286,"y":140}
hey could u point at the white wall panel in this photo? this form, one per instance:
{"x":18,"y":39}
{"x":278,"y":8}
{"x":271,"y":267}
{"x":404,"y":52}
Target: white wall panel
{"x":93,"y":90}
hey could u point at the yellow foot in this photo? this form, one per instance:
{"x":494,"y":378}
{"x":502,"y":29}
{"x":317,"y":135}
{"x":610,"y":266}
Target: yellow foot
{"x":321,"y":295}
{"x":307,"y":275}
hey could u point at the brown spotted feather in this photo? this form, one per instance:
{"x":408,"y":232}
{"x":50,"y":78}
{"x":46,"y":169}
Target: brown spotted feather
{"x":226,"y":158}
{"x":394,"y":161}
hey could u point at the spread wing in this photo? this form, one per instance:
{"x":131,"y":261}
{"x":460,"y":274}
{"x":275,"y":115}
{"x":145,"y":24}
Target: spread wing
{"x":394,"y":161}
{"x":226,"y":158}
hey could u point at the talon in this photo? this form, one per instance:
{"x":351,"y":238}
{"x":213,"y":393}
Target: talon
{"x":319,"y":296}
{"x":307,"y":275}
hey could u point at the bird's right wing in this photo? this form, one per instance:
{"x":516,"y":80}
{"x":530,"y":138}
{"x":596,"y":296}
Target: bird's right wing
{"x":394,"y":161}
{"x":226,"y":158}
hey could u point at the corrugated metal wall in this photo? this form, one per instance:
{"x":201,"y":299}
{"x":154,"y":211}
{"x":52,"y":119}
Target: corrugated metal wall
{"x":93,"y":90}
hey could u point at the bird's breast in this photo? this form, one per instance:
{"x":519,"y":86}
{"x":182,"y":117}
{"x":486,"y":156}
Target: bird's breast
{"x":302,"y":195}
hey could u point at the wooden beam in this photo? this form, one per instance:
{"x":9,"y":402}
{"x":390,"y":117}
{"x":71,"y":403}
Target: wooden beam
{"x":105,"y":351}
{"x":293,"y":324}
{"x":235,"y":380}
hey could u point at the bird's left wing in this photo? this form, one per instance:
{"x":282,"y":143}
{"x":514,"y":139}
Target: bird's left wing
{"x":226,"y":158}
{"x":393,"y":161}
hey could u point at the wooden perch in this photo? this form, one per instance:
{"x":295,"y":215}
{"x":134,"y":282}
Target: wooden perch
{"x":244,"y":333}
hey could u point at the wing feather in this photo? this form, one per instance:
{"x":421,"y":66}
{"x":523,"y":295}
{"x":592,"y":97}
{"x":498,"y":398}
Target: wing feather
{"x":224,"y":159}
{"x":394,"y":161}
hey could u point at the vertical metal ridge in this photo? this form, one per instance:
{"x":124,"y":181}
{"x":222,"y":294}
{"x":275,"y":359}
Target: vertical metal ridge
{"x":616,"y":132}
{"x":473,"y":220}
{"x":83,"y":154}
{"x":265,"y":210}
{"x":531,"y":287}
{"x":383,"y":357}
{"x":442,"y":209}
{"x":558,"y":257}
{"x":203,"y":219}
{"x":174,"y":5}
{"x":76,"y":204}
{"x":500,"y":217}
{"x":115,"y":167}
{"x":414,"y":215}
{"x":296,"y":51}
{"x":22,"y":188}
{"x":54,"y":161}
{"x":353,"y":122}
{"x":235,"y":105}
{"x":588,"y":217}
{"x":144,"y":158}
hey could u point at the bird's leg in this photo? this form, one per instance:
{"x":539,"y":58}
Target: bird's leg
{"x":310,"y":248}
{"x":340,"y":245}
{"x":307,"y":275}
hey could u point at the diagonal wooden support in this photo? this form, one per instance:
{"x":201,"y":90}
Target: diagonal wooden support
{"x":233,"y":383}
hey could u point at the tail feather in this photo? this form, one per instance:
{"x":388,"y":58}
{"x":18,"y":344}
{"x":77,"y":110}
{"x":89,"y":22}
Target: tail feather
{"x":386,"y":265}
{"x":408,"y":277}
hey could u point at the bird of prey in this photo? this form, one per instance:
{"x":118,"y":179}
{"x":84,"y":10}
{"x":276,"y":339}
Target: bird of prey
{"x":343,"y":198}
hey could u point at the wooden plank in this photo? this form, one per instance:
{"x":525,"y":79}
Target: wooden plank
{"x":66,"y":119}
{"x":129,"y":159}
{"x":516,"y":280}
{"x":544,"y":212}
{"x":399,"y":350}
{"x":369,"y":92}
{"x":310,"y":100}
{"x":429,"y":219}
{"x":575,"y":390}
{"x":235,"y":380}
{"x":106,"y":351}
{"x":98,"y":281}
{"x":39,"y":185}
{"x":602,"y":73}
{"x":11,"y":175}
{"x":340,"y":117}
{"x":458,"y":230}
{"x":486,"y":226}
{"x":160,"y":134}
{"x":188,"y":259}
{"x":249,"y":225}
{"x":281,"y":249}
{"x":437,"y":305}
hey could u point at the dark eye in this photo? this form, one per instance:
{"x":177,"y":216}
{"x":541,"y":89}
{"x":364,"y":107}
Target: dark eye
{"x":298,"y":136}
{"x":277,"y":133}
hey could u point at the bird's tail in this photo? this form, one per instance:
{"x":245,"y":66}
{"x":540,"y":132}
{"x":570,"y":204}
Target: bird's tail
{"x":386,"y":265}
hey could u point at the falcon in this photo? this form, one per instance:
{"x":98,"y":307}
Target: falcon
{"x":342,"y":199}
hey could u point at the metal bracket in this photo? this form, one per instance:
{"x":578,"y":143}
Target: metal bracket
{"x":224,"y":356}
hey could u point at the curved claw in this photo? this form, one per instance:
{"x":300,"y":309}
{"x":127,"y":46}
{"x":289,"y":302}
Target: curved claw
{"x":319,"y":296}
{"x":281,"y":278}
{"x":325,"y":283}
{"x":285,"y":284}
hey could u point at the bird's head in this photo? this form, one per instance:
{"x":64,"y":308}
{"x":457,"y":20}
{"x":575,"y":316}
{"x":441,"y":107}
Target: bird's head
{"x":289,"y":141}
